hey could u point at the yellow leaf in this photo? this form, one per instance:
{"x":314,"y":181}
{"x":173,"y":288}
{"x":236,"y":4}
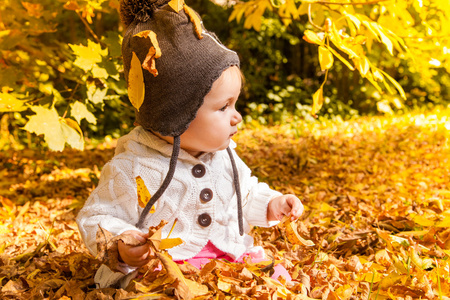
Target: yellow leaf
{"x":170,"y":243}
{"x":143,"y":193}
{"x":335,"y":53}
{"x":195,"y":20}
{"x":154,"y":235}
{"x":136,"y":88}
{"x":312,"y":37}
{"x":325,"y":58}
{"x":317,"y":100}
{"x":154,"y":52}
{"x":74,"y":125}
{"x":422,"y":220}
{"x":176,"y":5}
{"x":324,"y":207}
{"x":292,"y":234}
{"x":396,"y":84}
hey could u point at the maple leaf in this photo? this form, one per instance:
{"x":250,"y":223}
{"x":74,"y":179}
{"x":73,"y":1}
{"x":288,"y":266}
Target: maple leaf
{"x":57,"y":131}
{"x":79,"y":111}
{"x":88,"y":56}
{"x":136,"y":87}
{"x":9,"y":103}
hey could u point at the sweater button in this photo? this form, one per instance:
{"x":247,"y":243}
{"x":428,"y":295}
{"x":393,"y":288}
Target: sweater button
{"x":198,"y":171}
{"x":204,"y":220}
{"x":206,"y":195}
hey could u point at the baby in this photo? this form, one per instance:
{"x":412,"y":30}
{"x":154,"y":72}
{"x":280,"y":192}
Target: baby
{"x":182,"y":149}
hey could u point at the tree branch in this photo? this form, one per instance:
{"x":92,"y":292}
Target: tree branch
{"x":310,"y":19}
{"x":89,"y":29}
{"x":347,"y":3}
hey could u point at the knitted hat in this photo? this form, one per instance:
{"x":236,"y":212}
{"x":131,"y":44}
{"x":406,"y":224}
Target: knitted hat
{"x":171,"y":62}
{"x":185,"y":66}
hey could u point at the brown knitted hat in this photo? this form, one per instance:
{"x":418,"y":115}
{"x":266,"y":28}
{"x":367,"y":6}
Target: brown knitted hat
{"x":186,"y":61}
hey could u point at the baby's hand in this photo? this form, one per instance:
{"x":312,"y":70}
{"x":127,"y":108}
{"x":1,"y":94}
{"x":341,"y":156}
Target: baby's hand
{"x":284,"y":205}
{"x":134,"y":256}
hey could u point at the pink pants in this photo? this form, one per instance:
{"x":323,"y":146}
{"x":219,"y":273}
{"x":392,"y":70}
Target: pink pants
{"x":211,"y":252}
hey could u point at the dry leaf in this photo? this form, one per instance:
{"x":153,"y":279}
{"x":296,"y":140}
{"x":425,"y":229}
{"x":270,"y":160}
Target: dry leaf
{"x":176,"y":5}
{"x":143,"y":194}
{"x":292,"y":234}
{"x":170,"y":243}
{"x":175,"y":273}
{"x":154,"y":52}
{"x":195,"y":20}
{"x":136,"y":87}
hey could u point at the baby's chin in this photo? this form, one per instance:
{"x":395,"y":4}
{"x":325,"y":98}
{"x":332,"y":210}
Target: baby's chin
{"x":221,"y":147}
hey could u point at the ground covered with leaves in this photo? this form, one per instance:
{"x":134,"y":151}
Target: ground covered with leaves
{"x":377,"y":207}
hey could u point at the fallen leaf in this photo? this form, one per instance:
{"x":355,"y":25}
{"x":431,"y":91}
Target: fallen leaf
{"x":292,"y":234}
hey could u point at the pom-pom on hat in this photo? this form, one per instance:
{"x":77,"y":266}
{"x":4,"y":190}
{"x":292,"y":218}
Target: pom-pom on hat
{"x":179,"y":60}
{"x":171,"y":62}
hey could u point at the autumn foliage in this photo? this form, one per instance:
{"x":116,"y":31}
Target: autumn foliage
{"x":376,"y":193}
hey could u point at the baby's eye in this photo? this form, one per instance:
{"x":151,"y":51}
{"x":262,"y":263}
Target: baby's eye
{"x":224,"y":108}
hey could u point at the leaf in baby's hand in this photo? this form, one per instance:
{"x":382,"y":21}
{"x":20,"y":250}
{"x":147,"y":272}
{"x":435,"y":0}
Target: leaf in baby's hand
{"x":155,"y":240}
{"x":170,"y":243}
{"x":136,"y":87}
{"x":154,"y":52}
{"x":107,"y":248}
{"x":143,"y":194}
{"x":154,"y":235}
{"x":195,"y":20}
{"x":292,"y":234}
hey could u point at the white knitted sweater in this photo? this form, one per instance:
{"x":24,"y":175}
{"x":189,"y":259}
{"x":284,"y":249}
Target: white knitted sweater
{"x":114,"y":206}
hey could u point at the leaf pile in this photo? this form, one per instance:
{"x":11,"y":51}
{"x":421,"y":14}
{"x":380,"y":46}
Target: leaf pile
{"x":376,"y":193}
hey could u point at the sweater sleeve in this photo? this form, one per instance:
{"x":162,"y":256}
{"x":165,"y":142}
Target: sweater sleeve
{"x":112,"y":206}
{"x":255,"y":196}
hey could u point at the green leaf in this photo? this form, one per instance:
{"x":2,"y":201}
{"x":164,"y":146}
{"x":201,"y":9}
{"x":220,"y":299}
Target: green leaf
{"x":113,"y":40}
{"x":79,"y":111}
{"x":9,"y":103}
{"x":55,"y":130}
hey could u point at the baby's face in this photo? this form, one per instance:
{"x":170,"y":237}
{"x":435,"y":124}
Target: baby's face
{"x":217,"y":118}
